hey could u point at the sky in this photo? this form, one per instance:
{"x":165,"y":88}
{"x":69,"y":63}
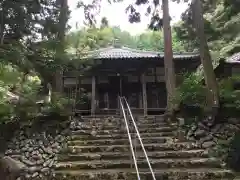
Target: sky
{"x":115,"y":13}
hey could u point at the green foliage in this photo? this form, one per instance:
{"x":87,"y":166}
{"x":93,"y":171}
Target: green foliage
{"x":81,"y":41}
{"x":11,"y":79}
{"x":30,"y":36}
{"x":6,"y":109}
{"x":191,"y":91}
{"x":222,"y":23}
{"x":228,"y":148}
{"x":229,"y":96}
{"x":29,"y":18}
{"x":59,"y":104}
{"x":31,"y":48}
{"x":26,"y":88}
{"x":232,"y":152}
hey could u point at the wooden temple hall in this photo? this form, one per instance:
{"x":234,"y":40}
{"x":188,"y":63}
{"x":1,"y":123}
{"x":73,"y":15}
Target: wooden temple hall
{"x":120,"y":71}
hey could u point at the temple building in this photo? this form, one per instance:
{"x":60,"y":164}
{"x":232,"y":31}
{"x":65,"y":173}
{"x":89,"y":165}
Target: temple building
{"x":120,"y":71}
{"x":229,"y":67}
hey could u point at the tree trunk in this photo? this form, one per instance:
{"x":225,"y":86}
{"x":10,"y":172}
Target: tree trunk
{"x":210,"y":78}
{"x":168,"y":58}
{"x":61,"y":39}
{"x":2,"y":25}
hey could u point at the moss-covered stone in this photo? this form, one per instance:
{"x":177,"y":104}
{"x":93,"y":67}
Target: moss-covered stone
{"x":99,"y":150}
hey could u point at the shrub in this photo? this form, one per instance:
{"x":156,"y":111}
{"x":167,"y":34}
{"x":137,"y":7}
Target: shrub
{"x":233,"y":153}
{"x":27,"y":88}
{"x":191,"y":91}
{"x":191,"y":94}
{"x":228,"y":95}
{"x":59,"y":104}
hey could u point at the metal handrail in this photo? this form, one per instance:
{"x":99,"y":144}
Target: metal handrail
{"x":140,"y":139}
{"x":129,"y":137}
{"x":138,"y":135}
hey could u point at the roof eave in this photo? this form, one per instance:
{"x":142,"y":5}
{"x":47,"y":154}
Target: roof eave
{"x":143,"y":57}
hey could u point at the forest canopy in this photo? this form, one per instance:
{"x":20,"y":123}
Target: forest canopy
{"x":94,"y":38}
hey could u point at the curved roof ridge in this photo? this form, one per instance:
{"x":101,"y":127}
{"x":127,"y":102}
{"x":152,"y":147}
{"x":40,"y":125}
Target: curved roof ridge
{"x":157,"y":52}
{"x":138,"y":50}
{"x":234,"y":58}
{"x":127,"y":52}
{"x":101,"y":49}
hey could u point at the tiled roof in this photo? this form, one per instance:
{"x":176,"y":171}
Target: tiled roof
{"x":235,"y":58}
{"x":125,"y":53}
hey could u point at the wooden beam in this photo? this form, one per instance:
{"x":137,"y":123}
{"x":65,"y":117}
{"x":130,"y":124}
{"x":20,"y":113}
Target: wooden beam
{"x":93,"y":100}
{"x":140,"y":94}
{"x":76,"y":93}
{"x":144,"y":90}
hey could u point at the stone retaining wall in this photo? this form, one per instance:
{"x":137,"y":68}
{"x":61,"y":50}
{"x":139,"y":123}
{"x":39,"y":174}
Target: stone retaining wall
{"x":37,"y":147}
{"x":211,"y":136}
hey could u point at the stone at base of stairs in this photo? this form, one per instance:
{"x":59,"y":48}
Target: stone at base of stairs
{"x":99,"y":150}
{"x":129,"y":174}
{"x":125,"y":148}
{"x":142,"y":164}
{"x":198,"y":153}
{"x":118,"y":136}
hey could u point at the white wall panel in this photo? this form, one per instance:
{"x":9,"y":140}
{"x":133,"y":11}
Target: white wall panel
{"x":86,"y":81}
{"x":69,"y":81}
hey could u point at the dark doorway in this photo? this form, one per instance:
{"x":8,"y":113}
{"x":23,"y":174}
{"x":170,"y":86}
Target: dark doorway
{"x":114,"y":91}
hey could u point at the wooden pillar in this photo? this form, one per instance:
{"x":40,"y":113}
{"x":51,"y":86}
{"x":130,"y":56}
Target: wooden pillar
{"x":140,"y":100}
{"x":156,"y":88}
{"x":75,"y":96}
{"x":93,"y":100}
{"x":139,"y":94}
{"x":144,"y":90}
{"x":106,"y":100}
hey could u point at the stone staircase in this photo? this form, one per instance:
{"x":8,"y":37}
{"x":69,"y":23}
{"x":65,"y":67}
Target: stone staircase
{"x":99,"y":150}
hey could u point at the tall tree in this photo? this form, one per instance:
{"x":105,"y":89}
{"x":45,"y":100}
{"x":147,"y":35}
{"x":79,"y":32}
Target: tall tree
{"x":28,"y":31}
{"x":61,"y":41}
{"x":168,"y":57}
{"x":210,"y":79}
{"x":221,"y":24}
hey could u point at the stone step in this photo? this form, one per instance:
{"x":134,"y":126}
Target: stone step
{"x":86,"y":126}
{"x":118,"y":141}
{"x":121,"y":121}
{"x":156,"y":164}
{"x":119,"y":136}
{"x":118,"y":120}
{"x":125,"y":148}
{"x":125,"y":155}
{"x":100,"y":117}
{"x":153,"y":117}
{"x":123,"y":130}
{"x":164,"y":174}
